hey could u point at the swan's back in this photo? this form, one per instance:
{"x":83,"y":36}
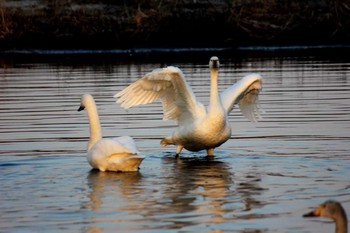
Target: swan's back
{"x":115,"y":154}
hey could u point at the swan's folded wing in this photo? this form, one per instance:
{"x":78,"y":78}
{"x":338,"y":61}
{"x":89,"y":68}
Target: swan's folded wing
{"x":245,"y":93}
{"x":167,"y":84}
{"x":127,"y":143}
{"x":109,"y":146}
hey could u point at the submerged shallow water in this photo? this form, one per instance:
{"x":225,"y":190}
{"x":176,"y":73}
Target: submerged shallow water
{"x":262,"y":180}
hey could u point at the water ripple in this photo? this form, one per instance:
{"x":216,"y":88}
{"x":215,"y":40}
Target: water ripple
{"x":262,"y":180}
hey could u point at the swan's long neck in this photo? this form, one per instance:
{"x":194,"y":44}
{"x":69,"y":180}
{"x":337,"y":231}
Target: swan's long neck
{"x":341,"y":224}
{"x":215,"y":105}
{"x":95,"y":127}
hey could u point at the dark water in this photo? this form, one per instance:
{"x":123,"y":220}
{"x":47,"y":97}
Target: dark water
{"x":262,"y":180}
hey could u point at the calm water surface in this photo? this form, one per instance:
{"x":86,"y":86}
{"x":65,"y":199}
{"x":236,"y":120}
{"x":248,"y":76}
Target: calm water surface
{"x":262,"y":180}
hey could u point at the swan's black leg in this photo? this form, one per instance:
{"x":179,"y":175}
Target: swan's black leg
{"x":178,"y":151}
{"x":210,"y":152}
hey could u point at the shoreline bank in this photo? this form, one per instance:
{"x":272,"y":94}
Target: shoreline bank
{"x":107,"y":25}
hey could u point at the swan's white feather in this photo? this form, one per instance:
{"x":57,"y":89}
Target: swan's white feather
{"x":168,"y":85}
{"x":107,"y":147}
{"x":127,"y":143}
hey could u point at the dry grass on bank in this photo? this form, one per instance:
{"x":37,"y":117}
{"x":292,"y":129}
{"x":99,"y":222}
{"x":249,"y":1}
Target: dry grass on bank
{"x":117,"y":24}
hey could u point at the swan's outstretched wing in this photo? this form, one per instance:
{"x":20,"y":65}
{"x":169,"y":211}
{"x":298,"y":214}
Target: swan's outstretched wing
{"x":245,"y":93}
{"x":167,"y":84}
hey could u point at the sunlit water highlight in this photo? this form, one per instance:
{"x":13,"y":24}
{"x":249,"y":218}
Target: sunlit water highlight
{"x":262,"y":180}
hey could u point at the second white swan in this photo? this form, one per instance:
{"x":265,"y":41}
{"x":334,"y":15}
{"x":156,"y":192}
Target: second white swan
{"x":108,"y":154}
{"x":198,"y":128}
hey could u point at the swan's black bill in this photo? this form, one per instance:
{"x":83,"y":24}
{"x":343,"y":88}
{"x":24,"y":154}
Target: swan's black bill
{"x":311,"y":214}
{"x":216,"y":64}
{"x":81,"y":108}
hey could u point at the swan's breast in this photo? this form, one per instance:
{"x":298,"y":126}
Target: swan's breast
{"x":202,"y":135}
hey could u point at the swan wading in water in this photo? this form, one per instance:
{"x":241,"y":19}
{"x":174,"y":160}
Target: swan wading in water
{"x":108,"y":154}
{"x":334,"y":210}
{"x":198,"y":128}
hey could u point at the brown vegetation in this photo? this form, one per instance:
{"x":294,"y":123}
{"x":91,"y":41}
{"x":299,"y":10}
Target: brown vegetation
{"x":95,"y":24}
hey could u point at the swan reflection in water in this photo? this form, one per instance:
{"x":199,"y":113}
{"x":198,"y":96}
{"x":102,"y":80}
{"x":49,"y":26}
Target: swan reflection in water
{"x":109,"y":193}
{"x":204,"y":182}
{"x":110,"y":183}
{"x":182,"y":192}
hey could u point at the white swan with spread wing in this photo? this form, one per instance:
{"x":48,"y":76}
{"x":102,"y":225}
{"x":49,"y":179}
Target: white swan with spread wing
{"x":108,"y":154}
{"x":199,"y":128}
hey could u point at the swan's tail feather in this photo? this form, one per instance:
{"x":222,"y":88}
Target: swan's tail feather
{"x":132,"y":164}
{"x":129,"y":163}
